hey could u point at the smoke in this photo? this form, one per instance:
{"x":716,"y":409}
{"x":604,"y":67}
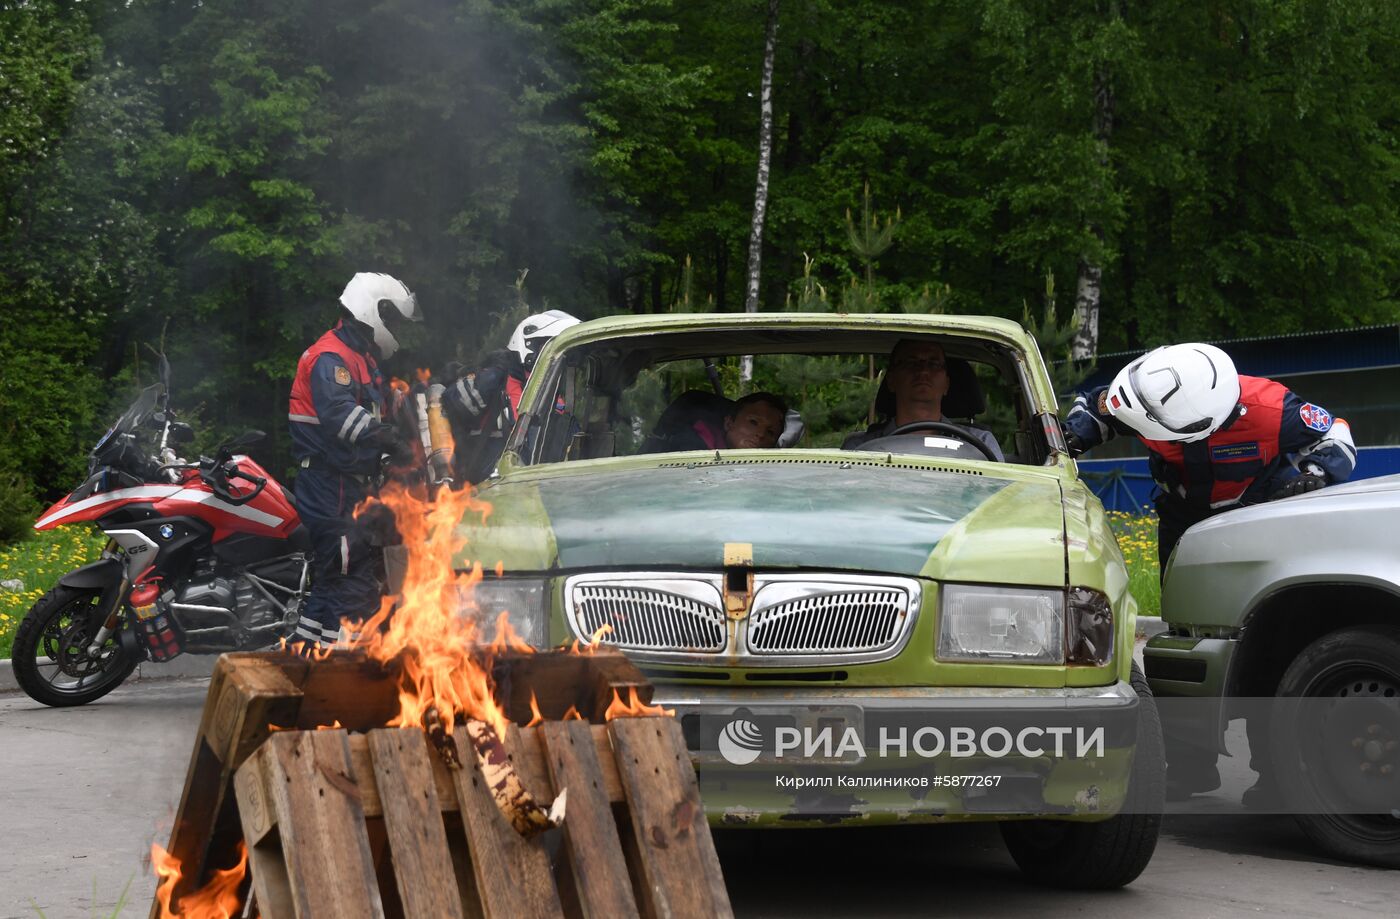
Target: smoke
{"x":295,"y":143}
{"x":456,"y":149}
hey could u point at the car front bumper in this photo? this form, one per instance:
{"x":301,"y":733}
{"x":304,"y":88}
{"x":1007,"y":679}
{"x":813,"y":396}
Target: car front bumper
{"x":891,"y":772}
{"x":1180,"y":667}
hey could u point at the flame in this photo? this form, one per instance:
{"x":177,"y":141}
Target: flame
{"x":593,"y":641}
{"x":425,"y":376}
{"x":216,"y":900}
{"x":572,"y":714}
{"x":445,"y":667}
{"x":536,"y":717}
{"x":507,"y":639}
{"x":633,"y":707}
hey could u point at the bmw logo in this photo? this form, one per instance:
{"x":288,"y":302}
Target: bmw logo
{"x":741,"y":742}
{"x":166,"y":531}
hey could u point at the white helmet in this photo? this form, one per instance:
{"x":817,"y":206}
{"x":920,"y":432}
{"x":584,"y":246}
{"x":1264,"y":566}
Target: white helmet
{"x":1176,"y":393}
{"x":382,"y":303}
{"x":534,"y":332}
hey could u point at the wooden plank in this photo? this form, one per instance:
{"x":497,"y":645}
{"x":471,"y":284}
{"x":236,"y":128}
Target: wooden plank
{"x":596,"y":861}
{"x":413,"y":820}
{"x":362,"y":764}
{"x":513,"y":875}
{"x":246,"y":692}
{"x":527,"y":748}
{"x":561,"y":679}
{"x":527,"y":754}
{"x":256,"y":690}
{"x":322,"y":825}
{"x":612,"y":672}
{"x":272,"y":887}
{"x":680,"y":870}
{"x":350,"y":688}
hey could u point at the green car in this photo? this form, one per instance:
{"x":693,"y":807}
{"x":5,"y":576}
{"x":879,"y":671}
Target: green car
{"x":932,"y":624}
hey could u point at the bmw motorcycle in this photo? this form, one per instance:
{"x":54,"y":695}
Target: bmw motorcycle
{"x":203,"y":557}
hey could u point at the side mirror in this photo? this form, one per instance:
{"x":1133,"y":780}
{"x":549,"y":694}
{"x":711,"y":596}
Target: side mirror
{"x":240,"y":443}
{"x":181,"y":433}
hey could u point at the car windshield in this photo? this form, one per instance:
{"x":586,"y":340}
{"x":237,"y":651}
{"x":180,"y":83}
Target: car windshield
{"x":943,"y":396}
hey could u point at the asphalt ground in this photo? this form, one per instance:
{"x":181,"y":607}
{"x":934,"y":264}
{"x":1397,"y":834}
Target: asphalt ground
{"x":86,"y":791}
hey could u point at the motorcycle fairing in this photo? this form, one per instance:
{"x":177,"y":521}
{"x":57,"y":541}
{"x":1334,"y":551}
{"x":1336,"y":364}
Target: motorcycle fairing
{"x":270,"y":514}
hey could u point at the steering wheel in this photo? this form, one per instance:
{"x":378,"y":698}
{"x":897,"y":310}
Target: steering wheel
{"x":944,"y":427}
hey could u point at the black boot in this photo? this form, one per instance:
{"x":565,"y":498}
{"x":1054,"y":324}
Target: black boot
{"x":1190,"y":778}
{"x":1263,"y":795}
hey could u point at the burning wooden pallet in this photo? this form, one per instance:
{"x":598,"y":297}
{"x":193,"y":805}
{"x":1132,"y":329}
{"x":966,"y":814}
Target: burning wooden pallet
{"x":365,"y":820}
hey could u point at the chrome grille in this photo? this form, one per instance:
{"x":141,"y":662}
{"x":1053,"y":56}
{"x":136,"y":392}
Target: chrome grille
{"x":792,"y":620}
{"x":648,"y":619}
{"x":835,"y":622}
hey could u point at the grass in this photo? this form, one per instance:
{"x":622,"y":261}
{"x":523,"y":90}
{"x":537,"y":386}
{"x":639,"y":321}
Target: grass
{"x":39,"y":560}
{"x":1137,"y":537}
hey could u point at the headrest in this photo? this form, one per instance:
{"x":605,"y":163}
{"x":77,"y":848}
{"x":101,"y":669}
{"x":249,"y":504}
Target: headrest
{"x":689,"y":407}
{"x":964,"y":398}
{"x":793,"y":429}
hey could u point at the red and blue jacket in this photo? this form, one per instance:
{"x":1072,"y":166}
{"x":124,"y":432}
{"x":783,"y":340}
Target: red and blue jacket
{"x":1250,"y":457}
{"x":337,"y":397}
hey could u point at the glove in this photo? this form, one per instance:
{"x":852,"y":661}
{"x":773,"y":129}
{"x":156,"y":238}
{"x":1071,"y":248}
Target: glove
{"x":1073,"y":441}
{"x":1303,"y":484}
{"x":378,"y":524}
{"x":386,"y":438}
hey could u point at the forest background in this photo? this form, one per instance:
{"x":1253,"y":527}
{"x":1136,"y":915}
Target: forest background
{"x":210,"y":173}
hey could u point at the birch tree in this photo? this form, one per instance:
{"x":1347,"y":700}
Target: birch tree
{"x":765,"y":157}
{"x":1089,"y":289}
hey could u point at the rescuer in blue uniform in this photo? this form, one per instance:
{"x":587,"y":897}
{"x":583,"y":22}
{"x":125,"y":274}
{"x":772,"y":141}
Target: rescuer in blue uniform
{"x":337,"y":411}
{"x":1216,"y":440}
{"x":481,"y":404}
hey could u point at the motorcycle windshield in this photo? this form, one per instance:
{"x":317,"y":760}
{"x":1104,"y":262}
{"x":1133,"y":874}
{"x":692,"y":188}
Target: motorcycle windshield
{"x":135,"y":414}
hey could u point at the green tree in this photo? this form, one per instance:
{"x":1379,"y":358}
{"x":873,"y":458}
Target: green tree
{"x":76,"y":232}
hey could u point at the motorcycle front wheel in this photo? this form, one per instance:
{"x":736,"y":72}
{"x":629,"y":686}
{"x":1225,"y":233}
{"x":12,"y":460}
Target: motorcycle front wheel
{"x":50,"y":655}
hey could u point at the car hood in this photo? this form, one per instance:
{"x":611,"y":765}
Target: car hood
{"x":1373,"y":494}
{"x":802,"y":513}
{"x":1375,"y":486}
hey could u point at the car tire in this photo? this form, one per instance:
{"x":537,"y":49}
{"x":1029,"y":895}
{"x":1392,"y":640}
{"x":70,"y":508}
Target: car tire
{"x":1108,"y":853}
{"x":1362,"y":661}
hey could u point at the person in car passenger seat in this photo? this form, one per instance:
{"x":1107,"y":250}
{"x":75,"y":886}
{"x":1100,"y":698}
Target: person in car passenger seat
{"x":755,"y":422}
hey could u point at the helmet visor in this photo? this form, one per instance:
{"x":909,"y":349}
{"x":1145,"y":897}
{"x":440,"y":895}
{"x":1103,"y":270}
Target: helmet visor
{"x":408,"y":332}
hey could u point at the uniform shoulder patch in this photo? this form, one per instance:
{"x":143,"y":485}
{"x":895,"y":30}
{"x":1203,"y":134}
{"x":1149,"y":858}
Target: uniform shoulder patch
{"x":1315,"y":416}
{"x":342,"y":376}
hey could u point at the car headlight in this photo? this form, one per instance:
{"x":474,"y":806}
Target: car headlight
{"x":524,"y":600}
{"x":1014,"y":625}
{"x":1090,"y":627}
